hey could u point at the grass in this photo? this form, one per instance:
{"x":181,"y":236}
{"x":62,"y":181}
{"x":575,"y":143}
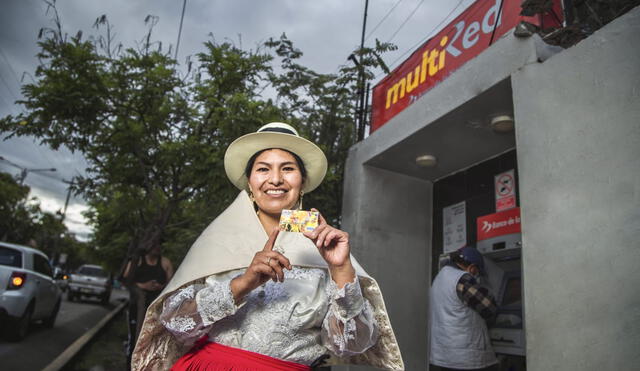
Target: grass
{"x":106,"y":351}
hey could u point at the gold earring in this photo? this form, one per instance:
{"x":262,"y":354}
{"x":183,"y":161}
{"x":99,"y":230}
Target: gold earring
{"x":300,"y":202}
{"x":253,"y":201}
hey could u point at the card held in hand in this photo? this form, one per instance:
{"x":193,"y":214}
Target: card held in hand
{"x":298,"y":220}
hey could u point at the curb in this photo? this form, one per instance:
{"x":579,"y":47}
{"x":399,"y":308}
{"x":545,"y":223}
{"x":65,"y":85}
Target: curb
{"x":76,"y":346}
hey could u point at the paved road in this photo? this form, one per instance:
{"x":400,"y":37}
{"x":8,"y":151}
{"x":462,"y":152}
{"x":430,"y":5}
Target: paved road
{"x":43,"y":345}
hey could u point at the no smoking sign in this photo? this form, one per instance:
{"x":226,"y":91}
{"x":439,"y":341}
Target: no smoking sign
{"x":505,"y":188}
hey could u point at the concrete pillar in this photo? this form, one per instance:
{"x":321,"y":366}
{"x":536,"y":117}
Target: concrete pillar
{"x":578,"y":140}
{"x":388,"y":216}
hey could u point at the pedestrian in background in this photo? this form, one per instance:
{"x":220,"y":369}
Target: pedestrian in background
{"x":145,"y":275}
{"x":460,"y":308}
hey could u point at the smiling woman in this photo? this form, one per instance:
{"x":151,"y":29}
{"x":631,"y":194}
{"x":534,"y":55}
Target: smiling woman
{"x":257,"y":298}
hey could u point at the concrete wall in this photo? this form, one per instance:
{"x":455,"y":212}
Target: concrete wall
{"x":578,"y":141}
{"x":389,"y":218}
{"x":389,"y":215}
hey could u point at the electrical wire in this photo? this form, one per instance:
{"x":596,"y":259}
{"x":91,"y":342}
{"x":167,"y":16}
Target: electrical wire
{"x":382,"y":20}
{"x":406,"y":20}
{"x":6,"y":84}
{"x":11,"y":105}
{"x":412,"y":48}
{"x":4,"y":56}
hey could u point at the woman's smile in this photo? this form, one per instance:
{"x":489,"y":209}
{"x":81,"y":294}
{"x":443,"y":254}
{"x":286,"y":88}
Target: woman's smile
{"x":275,"y":192}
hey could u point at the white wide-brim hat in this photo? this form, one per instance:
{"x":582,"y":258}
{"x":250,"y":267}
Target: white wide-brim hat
{"x":274,"y":135}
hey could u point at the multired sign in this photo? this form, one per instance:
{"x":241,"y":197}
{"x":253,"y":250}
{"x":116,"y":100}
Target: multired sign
{"x":505,"y":186}
{"x":499,"y":224}
{"x":464,"y":38}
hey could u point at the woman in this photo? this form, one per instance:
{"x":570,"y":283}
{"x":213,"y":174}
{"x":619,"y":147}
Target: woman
{"x":145,"y":276}
{"x":287,"y":304}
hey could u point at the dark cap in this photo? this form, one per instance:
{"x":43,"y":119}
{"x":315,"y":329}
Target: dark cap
{"x":471,"y":255}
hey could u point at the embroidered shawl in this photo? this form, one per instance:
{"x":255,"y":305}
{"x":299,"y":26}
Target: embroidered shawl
{"x":230,"y":242}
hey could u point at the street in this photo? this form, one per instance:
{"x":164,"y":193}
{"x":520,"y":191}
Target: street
{"x":43,"y":345}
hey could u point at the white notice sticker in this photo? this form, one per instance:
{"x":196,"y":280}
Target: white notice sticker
{"x":454,"y":221}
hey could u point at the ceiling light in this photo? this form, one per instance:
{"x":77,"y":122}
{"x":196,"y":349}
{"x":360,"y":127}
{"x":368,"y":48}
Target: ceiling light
{"x":502,"y":124}
{"x":426,"y":161}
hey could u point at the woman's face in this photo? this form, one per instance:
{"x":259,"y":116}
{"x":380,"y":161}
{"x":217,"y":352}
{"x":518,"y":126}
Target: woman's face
{"x":275,"y":181}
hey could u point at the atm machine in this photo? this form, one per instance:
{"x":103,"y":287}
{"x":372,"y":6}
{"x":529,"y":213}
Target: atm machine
{"x":505,"y":276}
{"x":500,"y":242}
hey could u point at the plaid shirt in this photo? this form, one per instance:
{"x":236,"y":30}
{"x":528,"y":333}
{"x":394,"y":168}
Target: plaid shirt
{"x":476,"y":297}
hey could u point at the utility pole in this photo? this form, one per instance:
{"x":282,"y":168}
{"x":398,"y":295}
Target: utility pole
{"x":66,"y":202}
{"x":24,"y":171}
{"x":361,"y":80}
{"x":184,"y":6}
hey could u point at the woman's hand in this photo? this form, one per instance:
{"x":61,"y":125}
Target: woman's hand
{"x":152,"y":285}
{"x":266,"y":264}
{"x":333,"y":246}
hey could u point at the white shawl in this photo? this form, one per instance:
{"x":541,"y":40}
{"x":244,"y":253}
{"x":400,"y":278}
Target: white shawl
{"x":230,"y":242}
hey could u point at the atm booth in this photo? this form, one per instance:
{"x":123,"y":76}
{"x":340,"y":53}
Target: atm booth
{"x":572,"y":145}
{"x":479,"y":207}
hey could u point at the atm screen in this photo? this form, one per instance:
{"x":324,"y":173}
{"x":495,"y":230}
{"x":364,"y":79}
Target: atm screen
{"x":510,"y":307}
{"x":512,"y":292}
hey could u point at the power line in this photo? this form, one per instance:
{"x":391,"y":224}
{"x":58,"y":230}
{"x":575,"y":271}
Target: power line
{"x":8,"y":88}
{"x":406,"y":20}
{"x":382,"y":20}
{"x":412,"y":48}
{"x":6,"y":84}
{"x":4,"y":56}
{"x":4,"y":102}
{"x":42,"y":155}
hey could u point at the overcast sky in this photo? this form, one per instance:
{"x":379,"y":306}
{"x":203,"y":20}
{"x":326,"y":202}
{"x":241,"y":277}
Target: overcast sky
{"x":326,"y":31}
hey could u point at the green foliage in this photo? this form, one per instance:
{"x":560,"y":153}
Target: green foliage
{"x":23,"y":222}
{"x":17,"y":217}
{"x":155,"y":139}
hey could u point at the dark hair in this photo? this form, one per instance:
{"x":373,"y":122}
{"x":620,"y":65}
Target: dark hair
{"x":252,"y":160}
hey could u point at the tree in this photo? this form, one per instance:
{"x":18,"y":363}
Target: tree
{"x":155,"y":138}
{"x":16,"y":214}
{"x":23,"y":222}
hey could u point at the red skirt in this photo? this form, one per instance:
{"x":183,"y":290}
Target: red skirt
{"x":206,"y":355}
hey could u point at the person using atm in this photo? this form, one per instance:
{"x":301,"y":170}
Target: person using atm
{"x":460,"y":308}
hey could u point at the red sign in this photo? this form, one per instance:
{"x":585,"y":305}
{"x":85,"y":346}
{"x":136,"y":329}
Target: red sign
{"x":464,"y":38}
{"x":499,"y":224}
{"x":506,"y":203}
{"x":505,"y":186}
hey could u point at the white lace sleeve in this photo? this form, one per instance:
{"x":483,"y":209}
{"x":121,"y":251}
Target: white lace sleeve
{"x":189,"y":313}
{"x":349,"y":327}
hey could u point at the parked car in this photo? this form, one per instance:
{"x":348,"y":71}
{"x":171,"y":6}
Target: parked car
{"x":89,"y":280}
{"x":28,"y":291}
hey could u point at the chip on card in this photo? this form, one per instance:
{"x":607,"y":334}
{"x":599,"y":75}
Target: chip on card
{"x":298,"y":220}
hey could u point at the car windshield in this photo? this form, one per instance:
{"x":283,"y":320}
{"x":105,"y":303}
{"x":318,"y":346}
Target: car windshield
{"x":92,"y":271}
{"x":10,"y":257}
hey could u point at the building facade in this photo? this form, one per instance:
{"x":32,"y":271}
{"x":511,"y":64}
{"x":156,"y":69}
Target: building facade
{"x":575,"y":152}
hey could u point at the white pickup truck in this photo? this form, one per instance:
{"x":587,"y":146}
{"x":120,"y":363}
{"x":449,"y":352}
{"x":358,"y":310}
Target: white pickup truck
{"x":90,"y":280}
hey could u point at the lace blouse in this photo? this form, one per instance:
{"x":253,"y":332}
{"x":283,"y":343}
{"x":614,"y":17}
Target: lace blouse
{"x":297,"y":320}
